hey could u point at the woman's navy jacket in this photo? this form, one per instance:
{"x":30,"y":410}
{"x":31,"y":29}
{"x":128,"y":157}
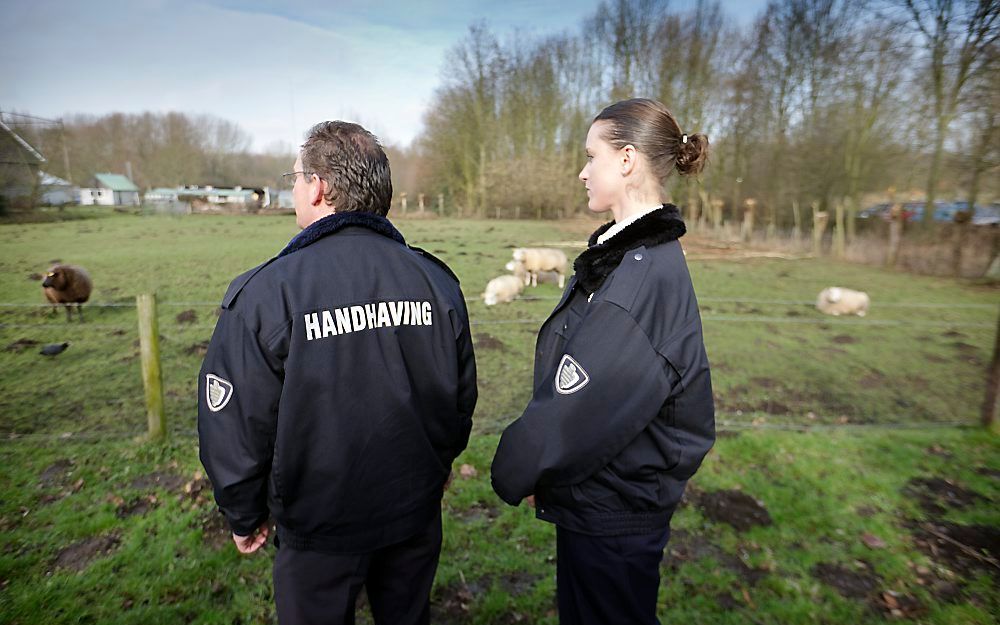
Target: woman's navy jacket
{"x":338,"y":388}
{"x":622,"y":412}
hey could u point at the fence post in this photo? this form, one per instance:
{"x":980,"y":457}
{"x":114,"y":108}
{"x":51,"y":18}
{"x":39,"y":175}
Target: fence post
{"x":993,"y":387}
{"x":152,"y":380}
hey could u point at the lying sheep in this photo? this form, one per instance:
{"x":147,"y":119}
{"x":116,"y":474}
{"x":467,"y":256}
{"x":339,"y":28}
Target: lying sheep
{"x":68,"y":285}
{"x":838,"y":301}
{"x":502,"y":289}
{"x":538,"y":259}
{"x":542,"y":277}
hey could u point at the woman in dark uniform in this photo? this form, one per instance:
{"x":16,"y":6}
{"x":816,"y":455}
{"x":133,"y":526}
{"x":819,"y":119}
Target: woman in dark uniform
{"x":622,"y":413}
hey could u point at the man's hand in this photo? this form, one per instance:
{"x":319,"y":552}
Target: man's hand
{"x":530,"y":500}
{"x":252,"y":542}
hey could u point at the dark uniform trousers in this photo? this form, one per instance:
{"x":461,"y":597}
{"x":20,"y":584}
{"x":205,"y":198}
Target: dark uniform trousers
{"x":315,"y":588}
{"x":608,"y":580}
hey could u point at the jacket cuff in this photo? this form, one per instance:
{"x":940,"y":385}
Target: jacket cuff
{"x":246,"y":524}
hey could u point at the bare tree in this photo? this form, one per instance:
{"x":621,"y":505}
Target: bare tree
{"x":956,"y":35}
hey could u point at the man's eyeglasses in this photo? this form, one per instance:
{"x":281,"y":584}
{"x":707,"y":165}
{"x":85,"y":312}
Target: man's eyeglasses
{"x":289,"y":178}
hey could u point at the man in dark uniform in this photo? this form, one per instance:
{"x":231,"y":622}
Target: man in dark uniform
{"x":337,"y":391}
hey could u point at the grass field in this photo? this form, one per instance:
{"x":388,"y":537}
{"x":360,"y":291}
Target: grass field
{"x":840,"y":490}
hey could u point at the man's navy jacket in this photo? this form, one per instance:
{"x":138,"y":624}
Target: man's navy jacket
{"x":338,"y":388}
{"x":622,"y":412}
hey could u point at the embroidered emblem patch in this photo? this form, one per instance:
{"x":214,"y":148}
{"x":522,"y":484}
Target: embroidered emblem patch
{"x":218,"y":392}
{"x":570,"y":376}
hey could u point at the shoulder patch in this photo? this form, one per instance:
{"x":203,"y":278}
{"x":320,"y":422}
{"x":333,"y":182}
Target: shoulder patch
{"x":236,"y":286}
{"x":436,"y":261}
{"x":218,"y":392}
{"x":570,"y":376}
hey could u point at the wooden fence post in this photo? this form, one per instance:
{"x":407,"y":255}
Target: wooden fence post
{"x":993,"y":387}
{"x":820,"y":219}
{"x":152,"y":380}
{"x":839,"y":236}
{"x":896,"y":218}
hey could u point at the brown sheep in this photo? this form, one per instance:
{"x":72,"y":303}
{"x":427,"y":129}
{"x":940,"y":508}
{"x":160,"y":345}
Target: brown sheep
{"x":68,"y":285}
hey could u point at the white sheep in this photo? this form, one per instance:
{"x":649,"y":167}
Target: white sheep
{"x":538,"y":259}
{"x":542,"y":277}
{"x":502,"y":289}
{"x":838,"y":301}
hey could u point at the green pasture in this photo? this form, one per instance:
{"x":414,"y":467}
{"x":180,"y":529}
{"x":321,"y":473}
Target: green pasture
{"x":849,"y":484}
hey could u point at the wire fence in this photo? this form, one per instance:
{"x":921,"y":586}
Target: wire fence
{"x":725,"y":421}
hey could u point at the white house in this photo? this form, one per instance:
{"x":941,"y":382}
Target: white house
{"x":110,"y":190}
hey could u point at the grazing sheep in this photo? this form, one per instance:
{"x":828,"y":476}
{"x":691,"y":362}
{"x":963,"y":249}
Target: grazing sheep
{"x":67,"y":284}
{"x":542,"y":277}
{"x":538,"y":259}
{"x":502,"y":289}
{"x":838,"y":301}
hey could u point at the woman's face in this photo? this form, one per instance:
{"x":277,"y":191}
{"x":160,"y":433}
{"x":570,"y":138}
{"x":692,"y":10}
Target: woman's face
{"x":602,"y":175}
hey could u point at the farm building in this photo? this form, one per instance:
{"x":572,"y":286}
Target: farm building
{"x":55,"y":191}
{"x":211,"y":199}
{"x":110,"y":190}
{"x":19,"y":168}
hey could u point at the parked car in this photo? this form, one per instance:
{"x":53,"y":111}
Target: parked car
{"x":987,"y":215}
{"x":875,"y":211}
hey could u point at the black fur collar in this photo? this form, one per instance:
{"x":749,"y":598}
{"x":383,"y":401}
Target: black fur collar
{"x":337,"y":221}
{"x":594,"y":264}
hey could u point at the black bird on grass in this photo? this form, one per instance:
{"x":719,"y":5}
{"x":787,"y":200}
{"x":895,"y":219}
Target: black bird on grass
{"x":54,"y":349}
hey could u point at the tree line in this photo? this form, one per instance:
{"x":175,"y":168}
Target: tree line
{"x":155,"y":149}
{"x":168,"y":150}
{"x":814,"y":103}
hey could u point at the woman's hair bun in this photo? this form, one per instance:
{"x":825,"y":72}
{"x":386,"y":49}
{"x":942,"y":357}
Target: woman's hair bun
{"x":692,"y":155}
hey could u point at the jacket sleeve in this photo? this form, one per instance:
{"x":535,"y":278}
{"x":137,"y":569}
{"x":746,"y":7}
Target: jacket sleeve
{"x":468,"y":393}
{"x":238,"y":391}
{"x":569,"y":431}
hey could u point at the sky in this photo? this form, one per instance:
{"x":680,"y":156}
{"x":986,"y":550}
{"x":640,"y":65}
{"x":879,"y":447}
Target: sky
{"x":274,"y":68}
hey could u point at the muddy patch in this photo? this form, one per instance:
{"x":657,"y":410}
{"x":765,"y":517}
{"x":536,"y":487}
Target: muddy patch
{"x":965,"y":348}
{"x":197,"y":349}
{"x":935,"y":495}
{"x":989,"y":472}
{"x":157,"y":479}
{"x":20,"y":345}
{"x":965,"y":549}
{"x":872,"y":379}
{"x":685,"y":547}
{"x":138,"y":506}
{"x":733,"y":507}
{"x":934,"y":358}
{"x":451,"y":604}
{"x":56,"y":474}
{"x":35,"y":277}
{"x":478,"y":511}
{"x":215,"y":531}
{"x":487,"y":341}
{"x":187,"y":316}
{"x":860,"y":583}
{"x":79,"y":555}
{"x":844,"y":339}
{"x":953,"y":334}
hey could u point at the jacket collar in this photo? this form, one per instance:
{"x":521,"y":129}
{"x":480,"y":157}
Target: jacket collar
{"x":596,"y":262}
{"x":338,"y":221}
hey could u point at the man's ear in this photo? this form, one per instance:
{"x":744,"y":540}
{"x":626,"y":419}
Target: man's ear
{"x":317,"y":190}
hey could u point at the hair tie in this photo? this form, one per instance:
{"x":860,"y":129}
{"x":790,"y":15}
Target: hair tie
{"x":684,"y":138}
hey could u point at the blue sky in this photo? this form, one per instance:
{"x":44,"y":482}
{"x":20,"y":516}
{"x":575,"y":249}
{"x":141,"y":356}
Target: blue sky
{"x":272,"y":67}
